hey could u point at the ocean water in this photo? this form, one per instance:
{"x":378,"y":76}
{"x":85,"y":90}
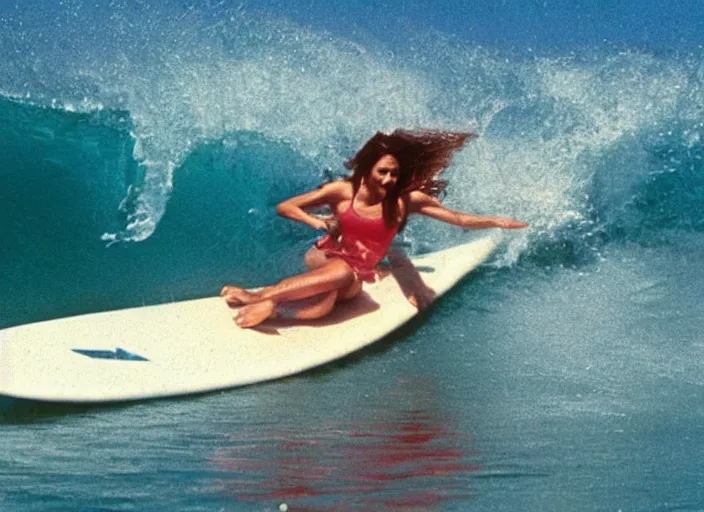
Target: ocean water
{"x":145,"y":145}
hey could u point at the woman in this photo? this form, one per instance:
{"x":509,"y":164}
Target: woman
{"x":393,"y":176}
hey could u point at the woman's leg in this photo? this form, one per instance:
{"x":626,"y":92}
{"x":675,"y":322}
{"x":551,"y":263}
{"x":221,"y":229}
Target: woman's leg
{"x":333,"y":276}
{"x":316,"y":307}
{"x":315,"y":258}
{"x":255,"y":313}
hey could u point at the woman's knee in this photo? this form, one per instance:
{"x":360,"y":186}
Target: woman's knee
{"x":350,"y":285}
{"x":315,"y":258}
{"x":351,"y":291}
{"x":342,"y":272}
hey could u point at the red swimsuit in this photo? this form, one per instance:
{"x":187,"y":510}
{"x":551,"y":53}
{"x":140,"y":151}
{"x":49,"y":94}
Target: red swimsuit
{"x":362,"y":243}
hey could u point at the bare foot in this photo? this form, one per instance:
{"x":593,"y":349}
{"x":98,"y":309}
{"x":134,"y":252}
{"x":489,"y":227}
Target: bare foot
{"x":253,"y":314}
{"x":236,"y":296}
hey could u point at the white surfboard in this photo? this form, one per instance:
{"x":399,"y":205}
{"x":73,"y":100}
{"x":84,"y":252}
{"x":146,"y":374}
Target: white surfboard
{"x":194,"y":346}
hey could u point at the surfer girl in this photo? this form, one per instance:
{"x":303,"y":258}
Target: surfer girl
{"x":393,"y":176}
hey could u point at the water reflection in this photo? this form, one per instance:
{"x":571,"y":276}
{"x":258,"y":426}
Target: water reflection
{"x":402,"y":459}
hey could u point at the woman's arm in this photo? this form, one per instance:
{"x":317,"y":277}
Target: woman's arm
{"x":328,"y":194}
{"x":412,"y":285}
{"x":426,"y":205}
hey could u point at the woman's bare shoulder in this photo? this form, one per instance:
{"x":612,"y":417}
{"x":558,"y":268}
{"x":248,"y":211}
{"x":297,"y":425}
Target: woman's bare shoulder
{"x":417,"y":200}
{"x":338,"y":189}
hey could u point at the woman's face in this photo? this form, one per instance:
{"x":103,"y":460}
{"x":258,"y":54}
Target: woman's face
{"x":384,"y":175}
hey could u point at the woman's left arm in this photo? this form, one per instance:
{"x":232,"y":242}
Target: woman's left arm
{"x":429,"y":206}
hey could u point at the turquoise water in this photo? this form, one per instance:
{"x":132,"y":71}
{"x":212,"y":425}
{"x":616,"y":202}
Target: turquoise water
{"x":145,"y":146}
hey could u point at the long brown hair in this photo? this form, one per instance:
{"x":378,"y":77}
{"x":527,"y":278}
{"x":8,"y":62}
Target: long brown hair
{"x":422,"y":156}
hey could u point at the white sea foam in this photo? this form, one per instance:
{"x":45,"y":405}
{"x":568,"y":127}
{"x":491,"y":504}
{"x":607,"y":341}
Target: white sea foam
{"x":546,"y":124}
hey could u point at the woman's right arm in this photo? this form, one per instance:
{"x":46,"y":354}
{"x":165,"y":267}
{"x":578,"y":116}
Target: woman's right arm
{"x":329,"y":194}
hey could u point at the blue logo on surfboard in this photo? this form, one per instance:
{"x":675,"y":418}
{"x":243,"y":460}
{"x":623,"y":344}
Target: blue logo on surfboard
{"x":118,"y":354}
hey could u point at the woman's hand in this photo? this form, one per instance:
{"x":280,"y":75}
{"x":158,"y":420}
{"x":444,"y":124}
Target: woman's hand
{"x":331,"y":226}
{"x":506,"y":223}
{"x":421,"y":300}
{"x":319,"y":224}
